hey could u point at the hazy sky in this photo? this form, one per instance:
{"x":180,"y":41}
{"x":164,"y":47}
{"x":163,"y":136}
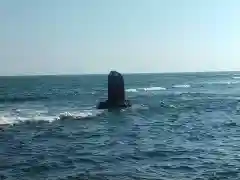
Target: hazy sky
{"x":95,"y":36}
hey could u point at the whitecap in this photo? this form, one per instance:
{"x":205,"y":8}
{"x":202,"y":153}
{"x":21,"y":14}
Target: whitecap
{"x":79,"y":115}
{"x":10,"y":120}
{"x":236,"y":77}
{"x":153,"y":88}
{"x":145,"y":89}
{"x":131,"y":90}
{"x":5,"y":121}
{"x":16,"y":119}
{"x":222,"y":82}
{"x":182,"y":86}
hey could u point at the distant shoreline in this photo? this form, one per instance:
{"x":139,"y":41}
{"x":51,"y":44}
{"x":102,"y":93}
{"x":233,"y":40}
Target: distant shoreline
{"x":124,"y":73}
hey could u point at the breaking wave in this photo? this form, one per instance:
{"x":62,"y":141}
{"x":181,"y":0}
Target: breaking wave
{"x":131,"y":90}
{"x":146,"y":89}
{"x":236,"y":77}
{"x":182,"y":86}
{"x":222,"y":82}
{"x":154,"y":89}
{"x":79,"y":115}
{"x":9,"y":118}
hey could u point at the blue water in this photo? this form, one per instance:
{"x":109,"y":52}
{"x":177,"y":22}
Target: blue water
{"x":181,"y":126}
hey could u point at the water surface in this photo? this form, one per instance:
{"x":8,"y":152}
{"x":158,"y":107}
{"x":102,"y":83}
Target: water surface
{"x":181,"y":126}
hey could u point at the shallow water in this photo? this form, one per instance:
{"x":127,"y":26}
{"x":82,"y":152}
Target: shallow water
{"x":181,"y":126}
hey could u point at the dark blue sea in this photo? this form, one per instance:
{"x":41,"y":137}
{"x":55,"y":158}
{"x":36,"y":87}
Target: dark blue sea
{"x":180,"y":127}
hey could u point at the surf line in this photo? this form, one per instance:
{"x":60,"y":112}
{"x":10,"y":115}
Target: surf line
{"x":116,"y":93}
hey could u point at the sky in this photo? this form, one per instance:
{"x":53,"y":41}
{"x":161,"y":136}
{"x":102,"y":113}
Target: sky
{"x":131,"y":36}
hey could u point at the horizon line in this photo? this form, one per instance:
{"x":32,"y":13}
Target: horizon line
{"x":124,"y":73}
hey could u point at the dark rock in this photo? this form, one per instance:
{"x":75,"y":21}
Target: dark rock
{"x":116,"y":93}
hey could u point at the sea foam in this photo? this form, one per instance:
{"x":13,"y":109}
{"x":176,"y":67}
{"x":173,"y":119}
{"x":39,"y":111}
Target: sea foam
{"x":145,"y":89}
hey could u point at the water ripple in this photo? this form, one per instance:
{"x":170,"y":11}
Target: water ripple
{"x":190,"y":131}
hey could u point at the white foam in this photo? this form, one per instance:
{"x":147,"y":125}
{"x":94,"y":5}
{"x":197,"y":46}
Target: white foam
{"x":9,"y":120}
{"x":131,"y":90}
{"x":224,"y":82}
{"x":182,"y":86}
{"x":44,"y":118}
{"x":21,"y":114}
{"x":153,"y":88}
{"x":145,"y":89}
{"x":17,"y":115}
{"x":79,"y":115}
{"x":236,"y":77}
{"x":5,"y":121}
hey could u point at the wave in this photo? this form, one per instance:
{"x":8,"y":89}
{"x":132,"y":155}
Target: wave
{"x":131,"y":90}
{"x":236,"y":77}
{"x":79,"y":115}
{"x":154,"y":89}
{"x":9,"y":118}
{"x":22,"y":99}
{"x":182,"y":86}
{"x":157,"y":88}
{"x":146,"y":89}
{"x":6,"y":121}
{"x":224,"y":82}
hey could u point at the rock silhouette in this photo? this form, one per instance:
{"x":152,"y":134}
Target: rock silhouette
{"x":116,"y":93}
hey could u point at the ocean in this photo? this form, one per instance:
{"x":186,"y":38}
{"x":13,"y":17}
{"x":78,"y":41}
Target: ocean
{"x":182,"y":126}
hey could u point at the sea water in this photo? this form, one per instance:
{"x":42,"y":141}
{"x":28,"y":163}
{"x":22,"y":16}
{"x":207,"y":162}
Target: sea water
{"x":181,"y":126}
